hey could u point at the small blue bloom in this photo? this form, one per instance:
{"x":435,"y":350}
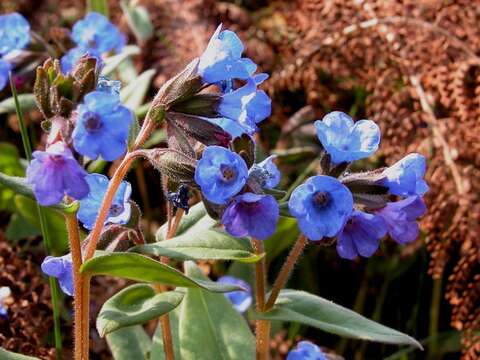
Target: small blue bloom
{"x":401,"y":218}
{"x":70,"y":59}
{"x":251,"y":215}
{"x":345,"y":140}
{"x":109,"y":86}
{"x":241,"y":300}
{"x":246,"y":105}
{"x":5,"y":68}
{"x":321,"y":205}
{"x":120,"y":210}
{"x":405,"y":177}
{"x":102,"y":126}
{"x":95,"y":32}
{"x":14,"y":32}
{"x":5,"y":293}
{"x":62,"y":269}
{"x":233,"y":127}
{"x":361,"y":235}
{"x":273,"y":175}
{"x":306,"y":350}
{"x":222,"y":59}
{"x":221,"y":174}
{"x":54,"y":173}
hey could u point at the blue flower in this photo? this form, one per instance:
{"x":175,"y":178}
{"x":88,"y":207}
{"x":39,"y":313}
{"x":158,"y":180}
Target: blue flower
{"x":345,"y":140}
{"x":62,"y":269}
{"x":5,"y":293}
{"x":222,"y":59}
{"x":120,"y":210}
{"x":109,"y":86}
{"x":96,"y":33}
{"x":241,"y":300}
{"x":70,"y":59}
{"x":14,"y":33}
{"x":5,"y":68}
{"x":321,"y":205}
{"x":306,"y":350}
{"x":361,"y":235}
{"x":233,"y":127}
{"x":273,"y":175}
{"x":246,"y":105}
{"x":221,"y":174}
{"x":401,"y":218}
{"x":54,"y":173}
{"x":405,"y":177}
{"x":251,"y":215}
{"x":102,"y":126}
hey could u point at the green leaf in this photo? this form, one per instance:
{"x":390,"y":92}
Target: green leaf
{"x":130,"y":343}
{"x":8,"y":355}
{"x":27,"y":103}
{"x":138,"y":20}
{"x":158,"y":352}
{"x":195,"y":220}
{"x":18,"y":228}
{"x":141,"y":268}
{"x":135,"y":305}
{"x":10,"y":165}
{"x":99,"y":6}
{"x":210,"y":328}
{"x":112,"y":62}
{"x":205,"y":244}
{"x":133,"y":132}
{"x":308,"y":309}
{"x":27,"y":208}
{"x":285,"y":235}
{"x":133,"y":95}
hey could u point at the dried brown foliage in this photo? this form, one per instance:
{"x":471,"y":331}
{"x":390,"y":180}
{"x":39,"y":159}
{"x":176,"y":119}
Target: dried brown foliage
{"x":29,"y":308}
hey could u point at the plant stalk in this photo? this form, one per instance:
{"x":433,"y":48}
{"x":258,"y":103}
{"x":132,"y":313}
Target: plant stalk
{"x":286,"y":270}
{"x":43,"y":225}
{"x":262,"y":326}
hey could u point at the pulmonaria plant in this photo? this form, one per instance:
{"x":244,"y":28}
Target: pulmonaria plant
{"x":359,"y":209}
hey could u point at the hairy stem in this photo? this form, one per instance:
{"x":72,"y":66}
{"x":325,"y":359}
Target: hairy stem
{"x":75,"y":250}
{"x":286,"y":270}
{"x":262,"y":326}
{"x":85,"y":316}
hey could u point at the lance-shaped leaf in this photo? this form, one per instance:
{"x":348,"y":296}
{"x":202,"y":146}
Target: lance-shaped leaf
{"x":8,"y":355}
{"x":308,"y":309}
{"x":112,"y":62}
{"x":141,"y":268}
{"x":133,"y":95}
{"x":210,"y":328}
{"x":158,"y":351}
{"x":206,"y":244}
{"x":130,"y":343}
{"x":138,"y":20}
{"x":17,"y":184}
{"x":27,"y":103}
{"x":135,"y":305}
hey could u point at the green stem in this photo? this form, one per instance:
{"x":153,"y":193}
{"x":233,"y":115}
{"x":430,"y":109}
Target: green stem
{"x":299,"y":180}
{"x":43,"y":224}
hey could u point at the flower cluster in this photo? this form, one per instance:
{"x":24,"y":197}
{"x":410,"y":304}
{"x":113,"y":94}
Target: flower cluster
{"x":357,"y":208}
{"x":94,"y":35}
{"x":14,"y":35}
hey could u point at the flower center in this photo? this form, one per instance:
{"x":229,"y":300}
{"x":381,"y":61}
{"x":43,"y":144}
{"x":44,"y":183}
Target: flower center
{"x":92,"y":122}
{"x":321,"y":199}
{"x":228,"y":173}
{"x":57,"y":159}
{"x":116,"y":209}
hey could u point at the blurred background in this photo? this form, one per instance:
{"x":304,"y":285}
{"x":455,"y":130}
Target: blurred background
{"x":412,"y":66}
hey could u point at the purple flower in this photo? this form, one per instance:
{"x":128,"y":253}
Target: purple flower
{"x":346,"y":140}
{"x":54,"y":173}
{"x":321,"y":205}
{"x":405,"y":177}
{"x":251,"y":215}
{"x":5,"y":68}
{"x":241,"y":300}
{"x":306,"y":350}
{"x":401,"y":218}
{"x":120,"y":210}
{"x":222,"y":59}
{"x":60,"y":268}
{"x":361,"y":235}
